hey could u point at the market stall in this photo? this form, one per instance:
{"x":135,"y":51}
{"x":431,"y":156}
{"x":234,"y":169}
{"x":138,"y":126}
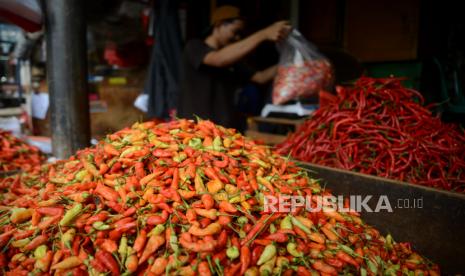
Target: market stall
{"x":351,"y":161}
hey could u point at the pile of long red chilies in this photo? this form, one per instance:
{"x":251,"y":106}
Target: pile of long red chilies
{"x":183,"y":198}
{"x":17,"y":155}
{"x":379,"y":127}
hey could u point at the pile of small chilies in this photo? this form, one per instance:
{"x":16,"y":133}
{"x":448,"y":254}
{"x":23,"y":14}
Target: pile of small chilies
{"x":182,"y":198}
{"x":380,"y":127}
{"x":16,"y":155}
{"x":300,"y":81}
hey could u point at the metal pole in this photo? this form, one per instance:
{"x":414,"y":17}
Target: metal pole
{"x":294,"y":13}
{"x":65,"y":31}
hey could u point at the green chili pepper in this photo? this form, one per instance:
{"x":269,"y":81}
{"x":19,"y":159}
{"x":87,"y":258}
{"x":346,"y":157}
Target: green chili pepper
{"x":281,"y":263}
{"x":112,"y":162}
{"x":297,"y":223}
{"x":235,"y":199}
{"x":268,"y":254}
{"x":80,"y":175}
{"x":261,"y":163}
{"x":217,"y":143}
{"x":130,"y":150}
{"x":292,"y":249}
{"x":389,"y":241}
{"x":68,"y":237}
{"x":71,"y":214}
{"x":157,"y":230}
{"x":20,"y":214}
{"x":232,"y":252}
{"x":129,"y":252}
{"x":20,"y":243}
{"x":286,"y":223}
{"x":363,"y":271}
{"x":180,"y":157}
{"x":372,"y":267}
{"x":392,"y":270}
{"x":40,"y":251}
{"x":195,"y":143}
{"x":347,"y":249}
{"x":20,"y":257}
{"x":98,"y":225}
{"x":58,"y":180}
{"x":174,"y":242}
{"x":123,"y":248}
{"x":242,"y":220}
{"x":272,"y":228}
{"x":267,"y":267}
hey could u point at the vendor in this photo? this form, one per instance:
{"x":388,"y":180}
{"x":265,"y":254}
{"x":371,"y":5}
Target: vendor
{"x":212,"y":68}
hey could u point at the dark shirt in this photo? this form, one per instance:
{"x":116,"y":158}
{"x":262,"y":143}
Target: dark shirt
{"x":207,"y":91}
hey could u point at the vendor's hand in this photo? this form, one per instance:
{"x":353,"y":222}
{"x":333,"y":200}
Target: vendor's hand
{"x":277,"y":31}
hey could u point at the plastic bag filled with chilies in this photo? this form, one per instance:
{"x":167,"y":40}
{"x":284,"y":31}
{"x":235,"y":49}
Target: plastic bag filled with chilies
{"x":302,"y":70}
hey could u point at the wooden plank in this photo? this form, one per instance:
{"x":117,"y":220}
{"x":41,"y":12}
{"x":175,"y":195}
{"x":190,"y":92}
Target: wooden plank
{"x":282,"y":121}
{"x":435,"y":230}
{"x":268,"y":138}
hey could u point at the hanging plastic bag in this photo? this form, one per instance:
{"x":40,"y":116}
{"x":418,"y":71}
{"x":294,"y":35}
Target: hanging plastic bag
{"x":302,"y":70}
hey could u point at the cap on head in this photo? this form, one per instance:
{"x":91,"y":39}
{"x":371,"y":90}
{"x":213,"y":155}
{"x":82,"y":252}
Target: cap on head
{"x":224,"y":13}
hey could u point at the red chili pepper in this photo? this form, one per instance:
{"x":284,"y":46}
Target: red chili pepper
{"x":220,"y":256}
{"x":222,"y":239}
{"x":334,"y":262}
{"x":39,"y":240}
{"x":301,"y":270}
{"x":108,"y":261}
{"x":245,"y":258}
{"x":259,"y":225}
{"x":232,"y":269}
{"x":107,"y":192}
{"x":256,"y":253}
{"x":346,"y":258}
{"x":23,"y":234}
{"x":278,"y":237}
{"x":50,"y":211}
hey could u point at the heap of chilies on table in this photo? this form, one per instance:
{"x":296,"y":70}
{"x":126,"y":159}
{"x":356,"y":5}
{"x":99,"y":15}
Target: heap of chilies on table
{"x":379,"y":127}
{"x":17,"y":155}
{"x":183,"y":198}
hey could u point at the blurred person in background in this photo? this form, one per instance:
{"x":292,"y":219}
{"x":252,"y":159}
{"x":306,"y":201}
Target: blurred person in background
{"x":212,"y":68}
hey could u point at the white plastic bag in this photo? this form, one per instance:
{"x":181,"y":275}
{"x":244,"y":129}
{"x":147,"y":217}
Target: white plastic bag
{"x":142,"y":102}
{"x":302,"y":70}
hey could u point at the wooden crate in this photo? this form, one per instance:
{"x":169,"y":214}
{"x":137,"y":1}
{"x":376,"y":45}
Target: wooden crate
{"x":270,"y":138}
{"x":435,"y":228}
